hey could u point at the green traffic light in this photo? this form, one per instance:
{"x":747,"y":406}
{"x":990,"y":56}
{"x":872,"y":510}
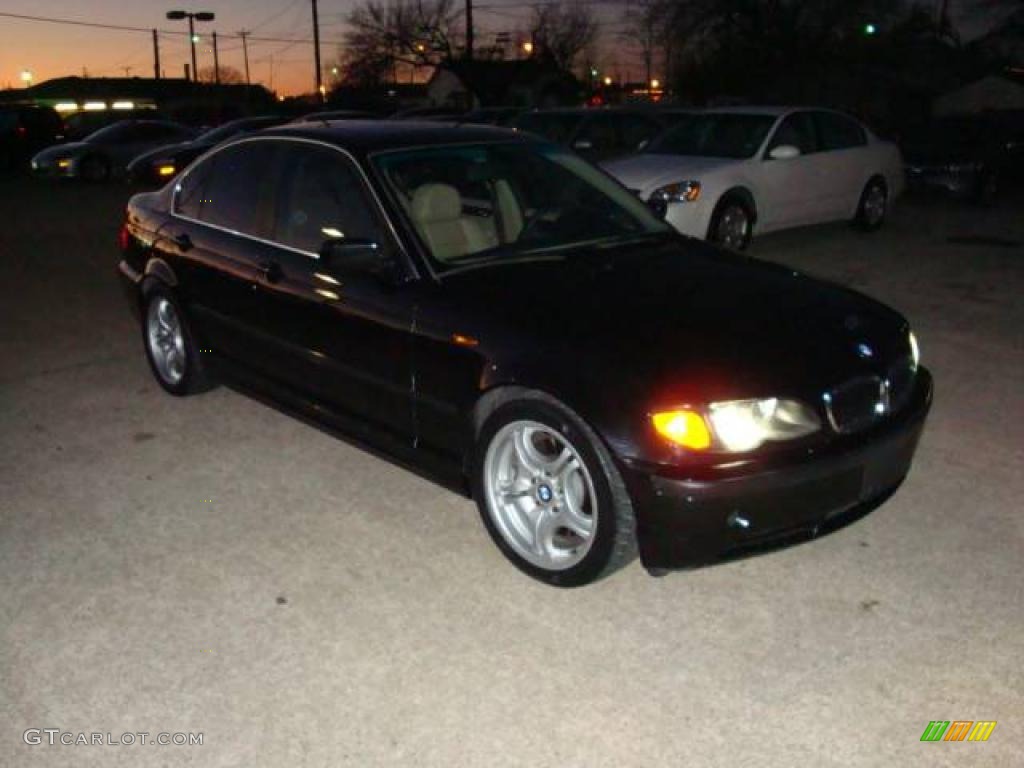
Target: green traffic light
{"x":870,"y":29}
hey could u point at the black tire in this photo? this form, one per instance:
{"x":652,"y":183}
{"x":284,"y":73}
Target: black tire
{"x":868,"y":217}
{"x":195,"y":378}
{"x":613,"y":542}
{"x":987,"y":189}
{"x":95,"y":168}
{"x":720,"y":230}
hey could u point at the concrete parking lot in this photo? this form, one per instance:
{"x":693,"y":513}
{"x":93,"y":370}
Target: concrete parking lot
{"x":210,"y":565}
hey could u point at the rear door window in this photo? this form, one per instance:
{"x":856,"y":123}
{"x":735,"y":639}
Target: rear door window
{"x":231,"y":189}
{"x":837,"y":131}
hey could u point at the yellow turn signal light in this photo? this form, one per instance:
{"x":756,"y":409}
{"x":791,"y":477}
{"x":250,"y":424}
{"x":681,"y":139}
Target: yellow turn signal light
{"x":165,"y":170}
{"x":683,"y":427}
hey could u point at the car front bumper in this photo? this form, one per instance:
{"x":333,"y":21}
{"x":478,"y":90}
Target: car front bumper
{"x":690,"y":522}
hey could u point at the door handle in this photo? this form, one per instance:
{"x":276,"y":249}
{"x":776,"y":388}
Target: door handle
{"x":183,"y":241}
{"x":270,"y":271}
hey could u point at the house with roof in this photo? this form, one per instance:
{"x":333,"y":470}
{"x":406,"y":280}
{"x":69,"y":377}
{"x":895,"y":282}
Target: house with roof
{"x":524,"y":83}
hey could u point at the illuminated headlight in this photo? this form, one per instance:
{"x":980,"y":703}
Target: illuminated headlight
{"x":743,"y":425}
{"x":915,"y":351}
{"x":736,"y":426}
{"x":679,"y":192}
{"x":64,"y":163}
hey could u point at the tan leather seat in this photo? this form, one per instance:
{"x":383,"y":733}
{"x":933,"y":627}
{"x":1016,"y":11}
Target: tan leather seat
{"x":437,"y":213}
{"x":511,"y":213}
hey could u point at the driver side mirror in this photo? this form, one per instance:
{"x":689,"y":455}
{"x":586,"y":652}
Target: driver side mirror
{"x":359,"y":256}
{"x":784,"y":152}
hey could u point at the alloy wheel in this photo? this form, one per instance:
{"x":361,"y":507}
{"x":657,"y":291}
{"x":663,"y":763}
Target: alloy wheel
{"x":733,"y":227}
{"x":540,"y":495}
{"x":874,"y":205}
{"x":166,"y":340}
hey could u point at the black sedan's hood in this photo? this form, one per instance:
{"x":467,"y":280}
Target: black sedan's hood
{"x":680,"y":321}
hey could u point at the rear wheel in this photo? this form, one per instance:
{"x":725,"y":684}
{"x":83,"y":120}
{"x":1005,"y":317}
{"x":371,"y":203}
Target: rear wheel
{"x":874,"y":204}
{"x":732,"y":225}
{"x":550,"y":495}
{"x":170,"y":347}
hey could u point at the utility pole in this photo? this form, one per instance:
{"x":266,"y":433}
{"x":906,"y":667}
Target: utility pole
{"x":316,"y":53}
{"x":469,"y":29}
{"x":245,"y":53}
{"x":216,"y":60}
{"x":156,"y":56}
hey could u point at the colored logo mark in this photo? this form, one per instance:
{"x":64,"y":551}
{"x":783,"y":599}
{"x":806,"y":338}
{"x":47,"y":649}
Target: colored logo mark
{"x":958,"y":730}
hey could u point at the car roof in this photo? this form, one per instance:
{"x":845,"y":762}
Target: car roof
{"x":365,"y":136}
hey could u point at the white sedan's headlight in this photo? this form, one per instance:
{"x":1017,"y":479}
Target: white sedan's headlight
{"x":679,"y":192}
{"x":743,"y":425}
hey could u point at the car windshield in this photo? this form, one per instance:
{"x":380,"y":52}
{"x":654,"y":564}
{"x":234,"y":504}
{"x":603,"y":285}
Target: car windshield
{"x":724,"y":134}
{"x":505,"y":201}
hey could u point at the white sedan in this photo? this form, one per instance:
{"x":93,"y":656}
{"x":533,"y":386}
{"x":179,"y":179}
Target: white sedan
{"x":724,"y":174}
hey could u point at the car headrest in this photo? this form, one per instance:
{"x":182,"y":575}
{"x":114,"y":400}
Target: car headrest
{"x":436,"y":202}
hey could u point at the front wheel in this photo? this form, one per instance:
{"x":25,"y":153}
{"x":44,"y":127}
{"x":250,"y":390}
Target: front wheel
{"x":732,"y":225}
{"x":550,"y":495}
{"x":95,"y":168}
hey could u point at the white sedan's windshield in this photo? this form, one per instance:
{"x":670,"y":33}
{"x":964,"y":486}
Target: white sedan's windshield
{"x":509,"y":200}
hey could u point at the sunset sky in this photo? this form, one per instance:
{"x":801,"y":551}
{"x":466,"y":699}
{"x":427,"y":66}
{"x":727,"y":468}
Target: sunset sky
{"x":52,"y":50}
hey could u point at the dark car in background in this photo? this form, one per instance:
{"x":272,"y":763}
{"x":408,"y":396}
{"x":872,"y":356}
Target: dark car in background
{"x":491,"y":115}
{"x":971,"y":157}
{"x":157,"y":165}
{"x":106,"y":153}
{"x":335,"y":114}
{"x":79,"y":125}
{"x":24,"y":131}
{"x":596,"y":134}
{"x":501,"y":314}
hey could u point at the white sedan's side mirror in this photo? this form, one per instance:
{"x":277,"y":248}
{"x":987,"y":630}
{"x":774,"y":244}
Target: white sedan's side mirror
{"x":784,"y":152}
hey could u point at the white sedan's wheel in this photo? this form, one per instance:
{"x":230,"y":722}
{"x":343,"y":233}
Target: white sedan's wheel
{"x":874,"y":204}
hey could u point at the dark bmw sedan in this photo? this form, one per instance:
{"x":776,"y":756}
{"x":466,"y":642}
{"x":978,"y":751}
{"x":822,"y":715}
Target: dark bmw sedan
{"x":498,"y":313}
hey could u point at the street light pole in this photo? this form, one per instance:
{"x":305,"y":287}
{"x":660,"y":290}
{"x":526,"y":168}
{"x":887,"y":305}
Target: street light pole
{"x":192,"y":18}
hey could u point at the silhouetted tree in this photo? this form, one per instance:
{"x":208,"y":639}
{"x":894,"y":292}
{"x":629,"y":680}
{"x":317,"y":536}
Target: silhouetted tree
{"x":383,"y":33}
{"x":228,"y":75}
{"x":562,"y":32}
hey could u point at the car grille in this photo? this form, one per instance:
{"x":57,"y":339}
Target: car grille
{"x":858,"y":403}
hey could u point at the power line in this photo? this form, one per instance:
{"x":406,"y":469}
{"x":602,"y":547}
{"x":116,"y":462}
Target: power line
{"x":125,"y":28}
